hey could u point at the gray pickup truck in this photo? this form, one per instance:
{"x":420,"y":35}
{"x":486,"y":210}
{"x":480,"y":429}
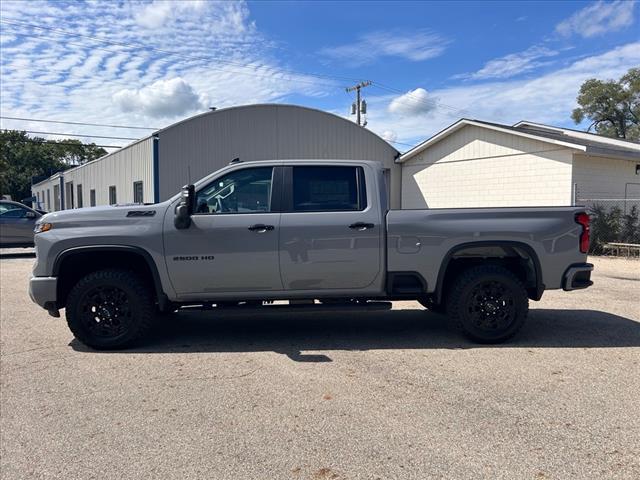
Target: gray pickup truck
{"x":315,"y":233}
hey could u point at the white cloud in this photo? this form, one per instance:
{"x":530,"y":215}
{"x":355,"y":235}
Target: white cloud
{"x":413,"y":46}
{"x":414,"y":102}
{"x":598,"y":18}
{"x":158,"y":12}
{"x":548,"y":98}
{"x":512,"y":64}
{"x":164,"y":98}
{"x":389,"y":136}
{"x":196,"y":55}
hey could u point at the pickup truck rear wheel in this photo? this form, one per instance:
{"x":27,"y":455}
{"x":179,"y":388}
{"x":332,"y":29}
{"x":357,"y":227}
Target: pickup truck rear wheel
{"x":488,"y":303}
{"x":109,"y":309}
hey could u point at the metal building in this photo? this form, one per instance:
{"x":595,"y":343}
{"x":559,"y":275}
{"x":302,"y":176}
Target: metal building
{"x":154,"y":168}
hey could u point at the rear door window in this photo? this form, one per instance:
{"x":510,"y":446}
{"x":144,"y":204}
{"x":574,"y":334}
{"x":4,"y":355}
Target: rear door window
{"x":323,"y":189}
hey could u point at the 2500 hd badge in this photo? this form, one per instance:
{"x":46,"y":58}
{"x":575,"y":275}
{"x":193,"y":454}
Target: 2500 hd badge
{"x":193,"y":257}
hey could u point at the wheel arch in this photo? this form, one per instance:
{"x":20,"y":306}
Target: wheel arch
{"x":110,"y":256}
{"x":535,"y":288}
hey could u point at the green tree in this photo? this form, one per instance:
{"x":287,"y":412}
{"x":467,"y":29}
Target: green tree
{"x":23,"y":157}
{"x":612,"y":107}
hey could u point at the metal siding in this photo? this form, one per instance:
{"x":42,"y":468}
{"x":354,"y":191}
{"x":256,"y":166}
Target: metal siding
{"x":120,"y":168}
{"x":194,"y":148}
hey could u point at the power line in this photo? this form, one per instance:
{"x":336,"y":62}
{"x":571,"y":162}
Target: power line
{"x":32,"y":140}
{"x":431,"y":102}
{"x":79,"y":123}
{"x":401,"y":143}
{"x":78,"y":135}
{"x":428,"y":102}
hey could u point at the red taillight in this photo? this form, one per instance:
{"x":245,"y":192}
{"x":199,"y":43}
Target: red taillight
{"x":583,"y":219}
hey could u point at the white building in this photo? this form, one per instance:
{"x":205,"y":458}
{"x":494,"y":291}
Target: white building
{"x":480,"y":164}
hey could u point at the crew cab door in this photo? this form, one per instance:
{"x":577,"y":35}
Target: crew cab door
{"x":232,"y":242}
{"x":330,"y":230}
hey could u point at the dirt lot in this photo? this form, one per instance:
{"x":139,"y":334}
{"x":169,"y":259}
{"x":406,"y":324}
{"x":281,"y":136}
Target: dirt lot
{"x":327,"y":396}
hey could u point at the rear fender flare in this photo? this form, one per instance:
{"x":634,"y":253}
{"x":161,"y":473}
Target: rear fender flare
{"x":539,"y":287}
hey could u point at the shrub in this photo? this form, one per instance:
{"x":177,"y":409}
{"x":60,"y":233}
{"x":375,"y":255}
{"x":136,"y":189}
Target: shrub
{"x":611,"y":225}
{"x":630,"y":228}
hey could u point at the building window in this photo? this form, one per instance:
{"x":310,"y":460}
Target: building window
{"x":137,"y":192}
{"x":68,"y":195}
{"x":112,"y":195}
{"x":56,"y":198}
{"x":48,"y":200}
{"x":92,"y":198}
{"x":79,"y":199}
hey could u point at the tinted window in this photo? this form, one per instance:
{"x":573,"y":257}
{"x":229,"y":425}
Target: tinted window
{"x":112,"y":195}
{"x":9,"y":210}
{"x":92,"y":198}
{"x":80,"y":202}
{"x":242,"y":191}
{"x":328,"y":189}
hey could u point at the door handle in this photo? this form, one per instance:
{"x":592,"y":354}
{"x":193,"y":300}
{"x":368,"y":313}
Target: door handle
{"x":259,"y":227}
{"x":361,"y":226}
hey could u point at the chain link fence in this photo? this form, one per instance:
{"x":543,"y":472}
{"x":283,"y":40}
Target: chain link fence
{"x":615,"y":225}
{"x":625,"y":205}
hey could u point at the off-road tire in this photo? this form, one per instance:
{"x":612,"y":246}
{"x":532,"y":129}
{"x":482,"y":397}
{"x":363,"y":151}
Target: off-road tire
{"x":117,"y":298}
{"x":488,"y":303}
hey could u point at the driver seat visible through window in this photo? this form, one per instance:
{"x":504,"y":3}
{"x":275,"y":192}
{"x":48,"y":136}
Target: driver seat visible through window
{"x":242,"y":191}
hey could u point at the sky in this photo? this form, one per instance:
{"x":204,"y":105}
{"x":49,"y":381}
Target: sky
{"x":152,"y":63}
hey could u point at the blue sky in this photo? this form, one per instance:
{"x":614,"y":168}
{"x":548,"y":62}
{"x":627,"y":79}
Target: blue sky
{"x":151,"y":63}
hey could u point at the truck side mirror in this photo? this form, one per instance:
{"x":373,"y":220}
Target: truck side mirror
{"x":184,"y":209}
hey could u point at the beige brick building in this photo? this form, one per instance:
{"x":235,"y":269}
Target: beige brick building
{"x":480,"y":164}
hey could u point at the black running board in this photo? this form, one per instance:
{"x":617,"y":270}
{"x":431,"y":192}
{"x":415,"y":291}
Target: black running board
{"x":300,"y":308}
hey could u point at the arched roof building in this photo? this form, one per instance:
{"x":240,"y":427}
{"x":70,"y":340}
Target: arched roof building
{"x":157,"y":166}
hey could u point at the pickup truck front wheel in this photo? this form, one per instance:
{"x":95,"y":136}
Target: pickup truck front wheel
{"x":109,"y":309}
{"x":488,"y":303}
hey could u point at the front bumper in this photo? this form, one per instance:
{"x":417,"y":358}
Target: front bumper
{"x":43,"y":291}
{"x":577,"y":276}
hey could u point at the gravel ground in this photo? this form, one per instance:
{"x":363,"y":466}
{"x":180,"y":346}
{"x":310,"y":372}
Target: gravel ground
{"x":327,"y":396}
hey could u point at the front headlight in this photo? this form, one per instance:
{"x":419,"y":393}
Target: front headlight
{"x":43,"y":227}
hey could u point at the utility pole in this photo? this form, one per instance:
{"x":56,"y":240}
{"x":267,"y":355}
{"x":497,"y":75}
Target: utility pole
{"x":360,"y":106}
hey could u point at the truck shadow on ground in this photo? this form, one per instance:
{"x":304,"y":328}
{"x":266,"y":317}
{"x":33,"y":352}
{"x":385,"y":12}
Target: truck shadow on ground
{"x":295,"y":334}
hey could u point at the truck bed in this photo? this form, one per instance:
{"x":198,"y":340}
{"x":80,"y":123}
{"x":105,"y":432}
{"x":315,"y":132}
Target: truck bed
{"x":424,"y":240}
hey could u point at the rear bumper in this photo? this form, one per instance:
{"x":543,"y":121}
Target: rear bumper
{"x":43,"y":291}
{"x":577,"y":276}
